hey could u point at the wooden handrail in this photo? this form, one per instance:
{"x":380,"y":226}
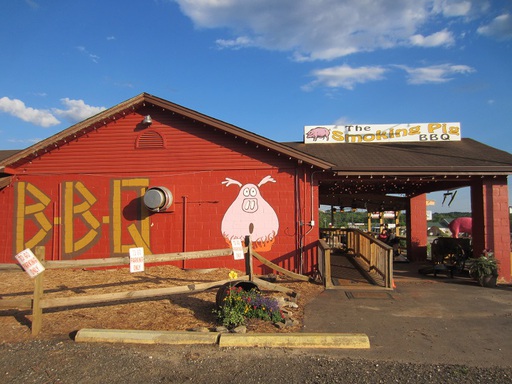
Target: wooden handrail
{"x":38,"y":302}
{"x":125,"y":260}
{"x":377,"y":256}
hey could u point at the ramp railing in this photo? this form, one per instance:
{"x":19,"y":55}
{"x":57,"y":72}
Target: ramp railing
{"x":374,"y":256}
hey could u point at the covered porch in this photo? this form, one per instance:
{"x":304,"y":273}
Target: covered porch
{"x":397,"y":177}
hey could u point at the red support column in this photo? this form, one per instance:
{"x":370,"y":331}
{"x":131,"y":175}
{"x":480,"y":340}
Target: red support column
{"x":417,"y":228}
{"x":491,"y":226}
{"x":478,"y":216}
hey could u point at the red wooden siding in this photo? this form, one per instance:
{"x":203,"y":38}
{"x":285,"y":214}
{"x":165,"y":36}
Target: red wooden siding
{"x":84,"y":199}
{"x":188,"y":146}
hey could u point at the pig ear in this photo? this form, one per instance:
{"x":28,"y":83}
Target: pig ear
{"x":265,"y":180}
{"x":229,"y":181}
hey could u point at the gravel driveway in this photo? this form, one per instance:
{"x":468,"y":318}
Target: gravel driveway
{"x":65,"y":361}
{"x":430,"y":331}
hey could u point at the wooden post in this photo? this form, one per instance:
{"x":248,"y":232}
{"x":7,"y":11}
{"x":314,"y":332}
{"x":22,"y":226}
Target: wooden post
{"x":327,"y":268}
{"x":37,"y":311}
{"x":397,"y":223}
{"x":248,"y":258}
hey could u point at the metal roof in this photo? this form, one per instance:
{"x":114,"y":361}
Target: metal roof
{"x":467,"y":156}
{"x":4,"y":154}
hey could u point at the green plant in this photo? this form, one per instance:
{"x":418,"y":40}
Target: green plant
{"x":231,"y":312}
{"x":239,"y":305}
{"x":485,"y":265}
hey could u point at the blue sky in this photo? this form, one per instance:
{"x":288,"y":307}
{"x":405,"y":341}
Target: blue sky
{"x":268,"y":66}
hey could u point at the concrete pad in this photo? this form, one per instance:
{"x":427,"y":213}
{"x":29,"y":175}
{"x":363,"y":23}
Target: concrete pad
{"x":145,"y":337}
{"x":296,"y":340}
{"x":430,"y":319}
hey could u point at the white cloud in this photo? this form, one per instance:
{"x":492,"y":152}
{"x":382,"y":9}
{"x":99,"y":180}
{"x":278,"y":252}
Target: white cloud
{"x":124,"y":84}
{"x":32,"y":4}
{"x":239,"y":42}
{"x":452,"y":8}
{"x":77,"y":110}
{"x":94,"y":58}
{"x":24,"y":141}
{"x":345,"y":76}
{"x":343,"y":120}
{"x":434,"y":74}
{"x":325,"y":29}
{"x":17,"y":108}
{"x":499,"y":28}
{"x":437,"y":39}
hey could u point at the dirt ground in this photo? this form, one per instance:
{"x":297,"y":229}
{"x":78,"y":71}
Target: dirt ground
{"x":407,"y":334}
{"x":171,"y":313}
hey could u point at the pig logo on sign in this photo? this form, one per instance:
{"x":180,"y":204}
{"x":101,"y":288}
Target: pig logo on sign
{"x":318,"y":132}
{"x":250,"y":214}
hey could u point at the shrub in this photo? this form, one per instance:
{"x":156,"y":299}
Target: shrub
{"x":239,"y":305}
{"x":485,"y":265}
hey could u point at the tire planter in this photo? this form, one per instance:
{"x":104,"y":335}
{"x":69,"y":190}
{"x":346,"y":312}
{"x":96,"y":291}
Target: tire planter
{"x":224,"y":290}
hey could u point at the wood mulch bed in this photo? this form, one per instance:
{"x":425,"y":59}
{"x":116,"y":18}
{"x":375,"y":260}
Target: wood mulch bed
{"x":171,"y":313}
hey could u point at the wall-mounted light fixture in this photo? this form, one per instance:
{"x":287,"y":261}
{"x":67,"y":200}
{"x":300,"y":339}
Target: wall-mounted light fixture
{"x":147,"y":120}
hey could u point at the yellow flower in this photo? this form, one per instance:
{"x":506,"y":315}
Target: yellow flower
{"x":233,"y":275}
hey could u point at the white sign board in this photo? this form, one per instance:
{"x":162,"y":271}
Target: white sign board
{"x":238,"y":250}
{"x":386,"y":215}
{"x":382,"y":133}
{"x":29,"y":262}
{"x":136,"y":260}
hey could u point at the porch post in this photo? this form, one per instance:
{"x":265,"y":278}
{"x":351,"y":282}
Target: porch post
{"x":397,"y":223}
{"x":491,"y":225}
{"x":417,"y":228}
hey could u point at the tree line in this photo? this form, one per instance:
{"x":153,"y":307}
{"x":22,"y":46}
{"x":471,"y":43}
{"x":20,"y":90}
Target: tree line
{"x":347,"y":218}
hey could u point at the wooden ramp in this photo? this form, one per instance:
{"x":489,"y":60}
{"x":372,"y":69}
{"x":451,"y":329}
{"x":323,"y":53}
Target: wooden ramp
{"x":349,"y":273}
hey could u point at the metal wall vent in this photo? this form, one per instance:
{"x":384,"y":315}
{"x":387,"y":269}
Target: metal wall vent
{"x":158,"y":199}
{"x":150,"y":140}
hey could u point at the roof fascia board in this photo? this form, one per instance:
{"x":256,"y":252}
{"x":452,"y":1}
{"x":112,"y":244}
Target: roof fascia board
{"x":437,"y":172}
{"x":5,"y":181}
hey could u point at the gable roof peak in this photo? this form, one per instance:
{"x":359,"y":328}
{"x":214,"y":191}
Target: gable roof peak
{"x":146,"y":99}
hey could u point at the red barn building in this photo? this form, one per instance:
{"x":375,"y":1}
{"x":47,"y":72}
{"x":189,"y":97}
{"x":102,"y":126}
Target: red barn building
{"x":149,"y":173}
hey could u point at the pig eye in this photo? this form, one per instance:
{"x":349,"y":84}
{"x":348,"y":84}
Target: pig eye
{"x":253,"y":192}
{"x":246,"y":192}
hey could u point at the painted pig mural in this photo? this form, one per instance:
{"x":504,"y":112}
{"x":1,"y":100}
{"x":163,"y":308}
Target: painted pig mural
{"x":250,"y":214}
{"x":461,"y":224}
{"x":318,"y":132}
